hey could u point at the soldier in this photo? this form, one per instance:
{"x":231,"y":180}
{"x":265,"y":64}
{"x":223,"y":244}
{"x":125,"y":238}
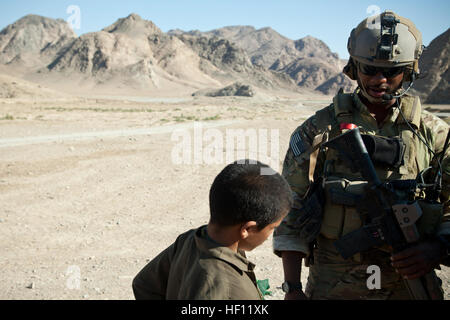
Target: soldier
{"x":209,"y":263}
{"x":384,"y":52}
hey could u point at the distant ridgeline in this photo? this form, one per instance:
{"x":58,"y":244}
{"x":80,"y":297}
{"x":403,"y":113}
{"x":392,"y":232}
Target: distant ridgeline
{"x":134,"y":53}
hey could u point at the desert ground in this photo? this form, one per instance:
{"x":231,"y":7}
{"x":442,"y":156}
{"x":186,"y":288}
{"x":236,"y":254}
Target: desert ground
{"x":90,"y":190}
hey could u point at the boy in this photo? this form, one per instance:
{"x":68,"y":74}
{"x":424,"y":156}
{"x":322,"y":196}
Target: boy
{"x":209,"y":263}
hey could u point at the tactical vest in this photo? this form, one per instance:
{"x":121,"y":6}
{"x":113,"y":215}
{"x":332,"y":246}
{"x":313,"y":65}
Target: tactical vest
{"x":340,"y":217}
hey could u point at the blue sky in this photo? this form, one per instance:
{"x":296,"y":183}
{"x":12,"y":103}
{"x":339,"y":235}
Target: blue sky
{"x":330,"y":21}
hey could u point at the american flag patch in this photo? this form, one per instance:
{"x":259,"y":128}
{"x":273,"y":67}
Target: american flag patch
{"x":297,"y":145}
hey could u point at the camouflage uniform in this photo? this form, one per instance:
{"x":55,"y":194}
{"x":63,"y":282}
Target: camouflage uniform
{"x":331,"y":276}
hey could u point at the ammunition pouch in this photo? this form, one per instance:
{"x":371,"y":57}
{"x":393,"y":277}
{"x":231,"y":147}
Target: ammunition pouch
{"x":385,"y":151}
{"x":342,"y":198}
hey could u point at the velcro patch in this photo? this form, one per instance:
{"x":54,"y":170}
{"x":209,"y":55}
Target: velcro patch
{"x":297,"y":145}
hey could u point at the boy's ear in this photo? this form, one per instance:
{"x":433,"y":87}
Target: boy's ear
{"x":247,"y":228}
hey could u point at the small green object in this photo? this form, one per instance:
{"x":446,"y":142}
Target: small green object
{"x":263,"y":286}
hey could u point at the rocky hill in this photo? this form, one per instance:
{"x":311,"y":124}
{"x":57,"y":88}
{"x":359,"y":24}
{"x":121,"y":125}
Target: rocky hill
{"x":132,"y":51}
{"x":236,"y":89}
{"x":433,"y":84}
{"x":308,"y":61}
{"x":33,"y":41}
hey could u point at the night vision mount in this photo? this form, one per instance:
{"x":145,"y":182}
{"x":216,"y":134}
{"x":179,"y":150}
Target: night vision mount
{"x":388,"y":37}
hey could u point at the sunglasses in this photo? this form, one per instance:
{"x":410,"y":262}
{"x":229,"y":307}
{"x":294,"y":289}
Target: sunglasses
{"x":387,"y":72}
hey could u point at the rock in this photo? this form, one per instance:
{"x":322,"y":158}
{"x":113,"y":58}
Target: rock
{"x":235,"y":89}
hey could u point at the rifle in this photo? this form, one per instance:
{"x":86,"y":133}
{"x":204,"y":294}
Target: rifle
{"x":386,"y":221}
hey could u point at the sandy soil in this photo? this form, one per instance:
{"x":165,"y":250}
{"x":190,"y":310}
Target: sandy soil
{"x":89,"y":190}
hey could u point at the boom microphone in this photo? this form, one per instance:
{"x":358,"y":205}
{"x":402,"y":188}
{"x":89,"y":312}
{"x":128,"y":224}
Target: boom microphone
{"x":388,"y":96}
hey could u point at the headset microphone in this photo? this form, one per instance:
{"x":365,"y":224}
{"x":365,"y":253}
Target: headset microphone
{"x":388,"y":96}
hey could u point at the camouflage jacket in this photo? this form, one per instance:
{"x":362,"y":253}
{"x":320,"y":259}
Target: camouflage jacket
{"x":331,"y":276}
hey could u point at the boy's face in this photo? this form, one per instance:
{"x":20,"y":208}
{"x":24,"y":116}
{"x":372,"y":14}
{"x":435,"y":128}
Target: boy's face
{"x":257,"y":237}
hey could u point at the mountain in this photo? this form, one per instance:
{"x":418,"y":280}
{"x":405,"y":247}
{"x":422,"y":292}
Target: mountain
{"x":263,"y":46}
{"x":130,"y":54}
{"x":132,"y":51}
{"x":32,"y":41}
{"x":308,"y":61}
{"x":433,"y":84}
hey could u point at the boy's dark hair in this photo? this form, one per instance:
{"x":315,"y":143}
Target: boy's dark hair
{"x":240,"y":193}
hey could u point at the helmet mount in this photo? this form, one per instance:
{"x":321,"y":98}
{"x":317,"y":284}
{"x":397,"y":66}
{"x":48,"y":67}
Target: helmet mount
{"x":388,"y":38}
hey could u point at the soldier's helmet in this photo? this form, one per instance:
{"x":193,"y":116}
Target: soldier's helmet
{"x":385,"y":40}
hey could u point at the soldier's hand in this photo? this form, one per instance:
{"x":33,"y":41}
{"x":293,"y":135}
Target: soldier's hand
{"x":416,"y":261}
{"x":295,"y":295}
